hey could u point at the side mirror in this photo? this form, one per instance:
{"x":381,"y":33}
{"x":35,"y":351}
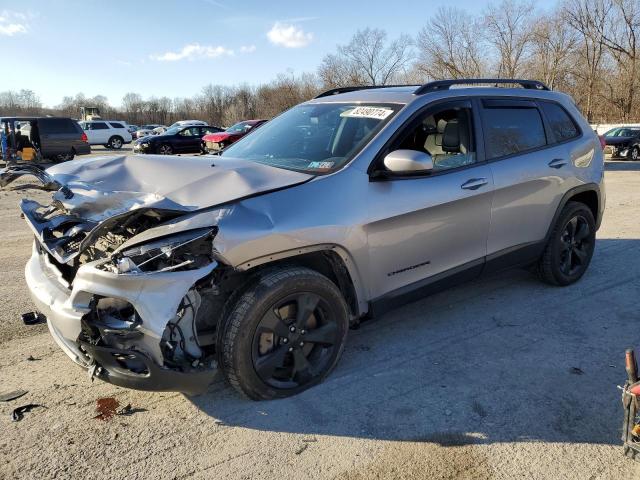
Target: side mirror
{"x":408,"y":161}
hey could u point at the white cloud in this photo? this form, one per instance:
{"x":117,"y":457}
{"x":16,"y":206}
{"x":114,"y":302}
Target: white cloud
{"x":194,"y":51}
{"x":247,"y":49}
{"x":12,"y":23}
{"x":289,"y":36}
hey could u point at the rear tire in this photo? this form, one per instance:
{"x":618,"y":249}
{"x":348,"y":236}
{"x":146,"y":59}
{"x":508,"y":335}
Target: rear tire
{"x":65,"y":157}
{"x":569,"y":249}
{"x":284,"y":334}
{"x":115,"y":142}
{"x":634,"y":154}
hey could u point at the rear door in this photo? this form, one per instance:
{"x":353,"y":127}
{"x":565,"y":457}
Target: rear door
{"x":531,"y":166}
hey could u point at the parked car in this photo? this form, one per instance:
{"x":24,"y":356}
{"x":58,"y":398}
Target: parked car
{"x":159,"y":130}
{"x":106,"y":132}
{"x":623,"y":142}
{"x":163,"y":275}
{"x":175,"y":140}
{"x":147,"y":130}
{"x":56,"y":138}
{"x":183,"y":123}
{"x":215,"y":142}
{"x":132,"y":129}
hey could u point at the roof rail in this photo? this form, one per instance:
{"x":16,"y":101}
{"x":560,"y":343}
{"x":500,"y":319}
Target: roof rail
{"x":445,"y":84}
{"x":336,"y":91}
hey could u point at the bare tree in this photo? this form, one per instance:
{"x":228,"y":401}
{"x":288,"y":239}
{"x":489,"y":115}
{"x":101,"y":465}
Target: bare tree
{"x":589,"y":19}
{"x":509,"y":30}
{"x":449,"y":47}
{"x":366,"y":60}
{"x":553,"y":45}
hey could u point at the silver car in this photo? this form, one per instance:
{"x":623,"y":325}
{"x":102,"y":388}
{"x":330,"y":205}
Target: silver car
{"x":159,"y":274}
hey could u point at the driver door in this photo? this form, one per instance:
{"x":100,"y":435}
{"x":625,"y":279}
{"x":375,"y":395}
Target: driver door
{"x":425,"y":227}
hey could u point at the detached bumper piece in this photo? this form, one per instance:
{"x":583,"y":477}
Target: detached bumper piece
{"x":111,"y":367}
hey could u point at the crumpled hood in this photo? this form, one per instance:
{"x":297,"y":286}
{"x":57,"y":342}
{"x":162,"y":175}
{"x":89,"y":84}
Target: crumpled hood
{"x":106,"y":186}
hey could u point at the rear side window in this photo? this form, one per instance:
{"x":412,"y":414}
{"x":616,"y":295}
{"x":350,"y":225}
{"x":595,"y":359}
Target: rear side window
{"x":512,"y":130}
{"x":99,"y":126}
{"x":562,"y":127}
{"x":116,"y":125}
{"x":57,"y":125}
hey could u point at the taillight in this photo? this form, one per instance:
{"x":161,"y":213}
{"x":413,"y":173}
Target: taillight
{"x":602,"y":142}
{"x":84,"y":138}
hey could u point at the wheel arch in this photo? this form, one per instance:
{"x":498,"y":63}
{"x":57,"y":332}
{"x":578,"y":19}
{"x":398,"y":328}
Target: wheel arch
{"x":332,"y":261}
{"x":588,"y":194}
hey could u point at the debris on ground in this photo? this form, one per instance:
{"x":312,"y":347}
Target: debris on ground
{"x":31,"y":358}
{"x":302,"y":449}
{"x":576,"y":371}
{"x":129,"y":410}
{"x":106,"y":408}
{"x":18,"y":413}
{"x":33,"y":318}
{"x":12,"y":395}
{"x":310,"y":439}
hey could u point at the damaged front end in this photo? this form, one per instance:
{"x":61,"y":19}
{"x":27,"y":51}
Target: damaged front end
{"x":135,"y":315}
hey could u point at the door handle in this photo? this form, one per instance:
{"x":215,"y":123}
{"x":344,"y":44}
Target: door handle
{"x":557,"y":163}
{"x":474,"y":183}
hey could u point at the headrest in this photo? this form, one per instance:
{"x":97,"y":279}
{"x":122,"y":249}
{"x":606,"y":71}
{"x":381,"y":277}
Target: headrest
{"x":451,"y":136}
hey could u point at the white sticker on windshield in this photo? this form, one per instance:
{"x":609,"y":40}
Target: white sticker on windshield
{"x":368,"y":112}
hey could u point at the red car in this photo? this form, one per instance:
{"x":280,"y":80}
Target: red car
{"x":214,"y":142}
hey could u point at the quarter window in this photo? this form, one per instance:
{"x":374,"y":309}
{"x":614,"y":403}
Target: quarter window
{"x":512,"y":130}
{"x":116,"y":125}
{"x":561,"y":124}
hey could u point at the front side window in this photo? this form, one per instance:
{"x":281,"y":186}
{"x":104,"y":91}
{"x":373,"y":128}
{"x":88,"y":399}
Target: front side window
{"x":512,"y":130}
{"x":560,"y":122}
{"x":316,"y":137}
{"x":445,"y":133}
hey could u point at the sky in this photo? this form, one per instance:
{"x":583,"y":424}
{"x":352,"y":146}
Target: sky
{"x":173,"y":48}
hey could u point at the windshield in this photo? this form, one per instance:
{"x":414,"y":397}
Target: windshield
{"x":239,"y":127}
{"x":314,"y":137}
{"x":172,"y":131}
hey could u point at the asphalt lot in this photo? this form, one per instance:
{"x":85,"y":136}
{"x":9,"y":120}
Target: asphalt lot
{"x":500,"y":378}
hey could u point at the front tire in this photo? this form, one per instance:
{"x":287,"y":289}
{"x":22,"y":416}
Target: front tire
{"x":165,"y":149}
{"x":284,"y":334}
{"x":570,"y":246}
{"x":634,"y":154}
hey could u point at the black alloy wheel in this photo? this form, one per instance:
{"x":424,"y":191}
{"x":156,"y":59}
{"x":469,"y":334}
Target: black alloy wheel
{"x":283,"y":332}
{"x":575,"y":245}
{"x":569,"y":247}
{"x":295,"y":341}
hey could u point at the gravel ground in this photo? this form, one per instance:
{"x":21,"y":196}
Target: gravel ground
{"x":501,"y":378}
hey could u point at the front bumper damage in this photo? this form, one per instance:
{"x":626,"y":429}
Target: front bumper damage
{"x":156,"y":298}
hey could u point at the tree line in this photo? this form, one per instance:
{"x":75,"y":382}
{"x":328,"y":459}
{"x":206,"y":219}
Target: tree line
{"x":586,"y":48}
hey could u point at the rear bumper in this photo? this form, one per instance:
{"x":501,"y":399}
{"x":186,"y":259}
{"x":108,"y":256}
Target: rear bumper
{"x":154,"y":296}
{"x":84,"y":149}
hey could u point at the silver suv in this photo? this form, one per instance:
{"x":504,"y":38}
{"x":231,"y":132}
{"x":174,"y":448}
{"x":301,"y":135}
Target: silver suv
{"x":159,"y":274}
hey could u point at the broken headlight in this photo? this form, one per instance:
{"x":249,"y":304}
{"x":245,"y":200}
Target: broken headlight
{"x":184,"y":251}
